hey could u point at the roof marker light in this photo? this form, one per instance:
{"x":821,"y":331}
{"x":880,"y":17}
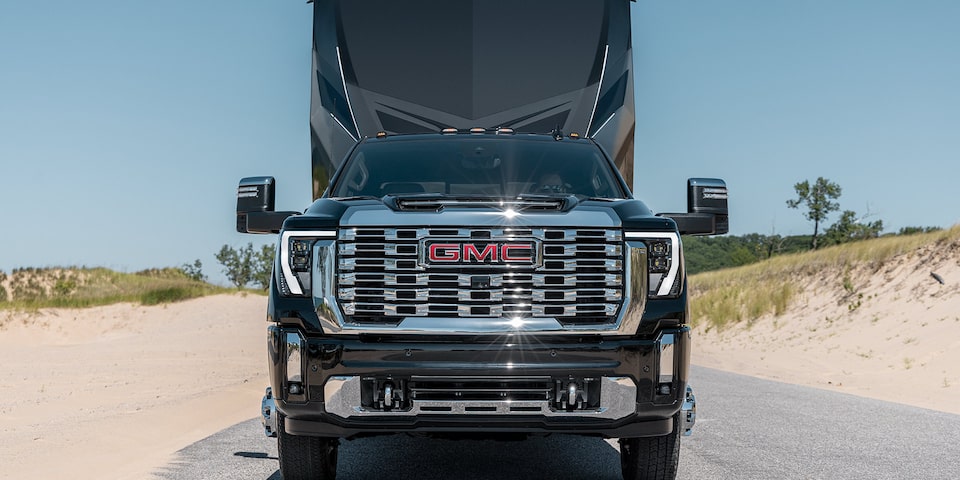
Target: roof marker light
{"x":448,"y":130}
{"x":381,"y":134}
{"x":478,"y":130}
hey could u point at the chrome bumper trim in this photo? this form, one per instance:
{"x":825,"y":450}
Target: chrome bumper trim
{"x":618,"y":399}
{"x":688,"y":412}
{"x":268,"y":412}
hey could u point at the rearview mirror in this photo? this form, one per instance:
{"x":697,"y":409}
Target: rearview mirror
{"x":707,"y":212}
{"x":256,"y":198}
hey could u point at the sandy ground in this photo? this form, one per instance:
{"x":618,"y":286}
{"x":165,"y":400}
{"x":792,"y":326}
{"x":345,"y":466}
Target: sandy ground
{"x":894,"y":335}
{"x":113,"y":392}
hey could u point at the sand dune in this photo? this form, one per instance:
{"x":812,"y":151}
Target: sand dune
{"x":113,"y":392}
{"x":893,"y":333}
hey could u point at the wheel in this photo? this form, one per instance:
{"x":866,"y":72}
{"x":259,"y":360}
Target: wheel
{"x":651,"y":458}
{"x":306,"y":458}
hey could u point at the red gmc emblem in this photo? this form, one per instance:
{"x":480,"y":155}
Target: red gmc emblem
{"x":480,"y":253}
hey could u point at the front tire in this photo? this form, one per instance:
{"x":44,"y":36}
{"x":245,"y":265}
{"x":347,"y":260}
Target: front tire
{"x":306,"y":458}
{"x":651,"y":458}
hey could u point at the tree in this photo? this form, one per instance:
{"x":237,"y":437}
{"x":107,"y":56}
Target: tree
{"x":237,"y":264}
{"x":263,"y":267}
{"x":817,"y":199}
{"x":849,"y":228}
{"x":916,"y":230}
{"x":195,"y":271}
{"x":245,"y":265}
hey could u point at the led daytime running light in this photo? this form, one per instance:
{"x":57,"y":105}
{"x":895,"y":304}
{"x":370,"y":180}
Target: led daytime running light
{"x":674,"y":238}
{"x":288,"y":274}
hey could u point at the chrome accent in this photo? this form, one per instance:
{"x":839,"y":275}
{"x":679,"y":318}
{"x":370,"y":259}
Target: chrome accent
{"x":324,"y":282}
{"x":341,"y":396}
{"x":494,"y":311}
{"x":582,"y":283}
{"x":471,"y":325}
{"x":666,"y":347}
{"x":247,"y":191}
{"x":608,"y":298}
{"x":268,"y":413}
{"x":284,"y":251}
{"x":667,"y":284}
{"x":572,"y":394}
{"x":516,"y":205}
{"x":294,"y":358}
{"x":618,"y":399}
{"x":388,"y":395}
{"x":586,"y":217}
{"x":423,"y":263}
{"x":609,"y":279}
{"x":603,"y":71}
{"x":346,"y":94}
{"x":688,"y":412}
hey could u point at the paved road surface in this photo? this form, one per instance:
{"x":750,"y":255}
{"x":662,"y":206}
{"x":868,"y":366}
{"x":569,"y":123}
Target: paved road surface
{"x":746,"y":429}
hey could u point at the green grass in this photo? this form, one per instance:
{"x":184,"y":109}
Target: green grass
{"x":726,"y":297}
{"x":33,"y":288}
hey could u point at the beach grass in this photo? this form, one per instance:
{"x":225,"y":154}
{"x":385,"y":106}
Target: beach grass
{"x":80,"y":287}
{"x":744,"y":294}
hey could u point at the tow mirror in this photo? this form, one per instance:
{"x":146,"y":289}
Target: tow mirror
{"x":256,"y":198}
{"x":707,"y":212}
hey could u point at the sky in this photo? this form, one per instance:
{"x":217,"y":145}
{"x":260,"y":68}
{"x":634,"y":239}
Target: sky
{"x":125,"y":126}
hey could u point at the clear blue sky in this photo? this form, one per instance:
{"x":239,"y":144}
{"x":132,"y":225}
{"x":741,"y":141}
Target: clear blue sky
{"x":124,"y":126}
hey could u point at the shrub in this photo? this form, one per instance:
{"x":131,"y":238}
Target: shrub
{"x":169,"y":295}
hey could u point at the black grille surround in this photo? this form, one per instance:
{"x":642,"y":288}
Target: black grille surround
{"x":576,"y":275}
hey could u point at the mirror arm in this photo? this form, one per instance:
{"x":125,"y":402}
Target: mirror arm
{"x":266,"y":222}
{"x":693,"y":223}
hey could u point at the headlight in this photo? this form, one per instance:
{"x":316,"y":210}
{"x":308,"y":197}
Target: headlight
{"x":296,"y":260}
{"x":664,"y":262}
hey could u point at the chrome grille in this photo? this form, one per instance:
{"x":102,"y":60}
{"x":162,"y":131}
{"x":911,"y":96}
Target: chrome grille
{"x":577,"y":277}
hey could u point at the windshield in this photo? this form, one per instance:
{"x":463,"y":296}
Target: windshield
{"x":495,"y":166}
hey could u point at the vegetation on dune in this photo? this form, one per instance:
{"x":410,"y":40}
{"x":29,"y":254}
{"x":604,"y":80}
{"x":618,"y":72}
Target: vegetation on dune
{"x":816,"y":199}
{"x":705,"y":254}
{"x":724,"y":297}
{"x":78,"y":287}
{"x":246,"y":265}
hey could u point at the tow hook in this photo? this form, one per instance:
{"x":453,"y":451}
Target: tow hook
{"x":268,"y":410}
{"x":688,"y":412}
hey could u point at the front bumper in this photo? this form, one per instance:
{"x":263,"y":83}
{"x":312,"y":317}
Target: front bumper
{"x":613,"y":387}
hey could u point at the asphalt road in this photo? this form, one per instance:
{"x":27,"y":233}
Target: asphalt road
{"x":746,"y":429}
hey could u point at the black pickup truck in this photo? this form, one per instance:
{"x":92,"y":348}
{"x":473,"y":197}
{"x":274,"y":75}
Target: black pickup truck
{"x":491,"y":276}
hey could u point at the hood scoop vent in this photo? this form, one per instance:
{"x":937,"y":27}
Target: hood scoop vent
{"x":432,"y":203}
